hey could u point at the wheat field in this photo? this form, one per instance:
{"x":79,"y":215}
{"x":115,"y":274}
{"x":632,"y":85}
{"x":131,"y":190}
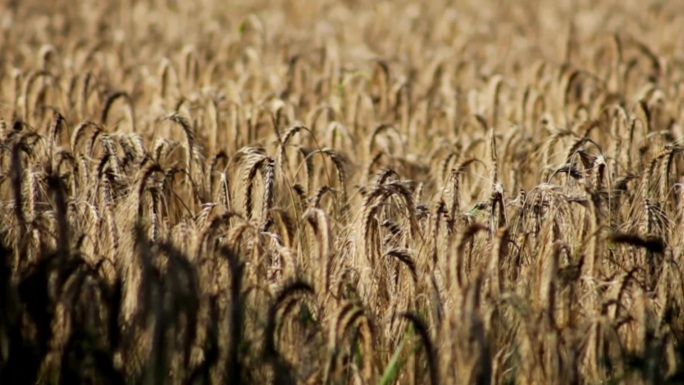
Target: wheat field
{"x":341,"y":192}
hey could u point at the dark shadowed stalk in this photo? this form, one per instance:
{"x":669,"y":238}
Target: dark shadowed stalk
{"x":451,"y":194}
{"x":54,"y":131}
{"x":405,"y":258}
{"x":255,"y":163}
{"x":339,"y":163}
{"x":497,"y":261}
{"x":142,"y":184}
{"x":57,"y":187}
{"x":268,"y":176}
{"x":655,"y":249}
{"x":457,"y":264}
{"x":421,"y":328}
{"x":440,"y":211}
{"x":182,"y":282}
{"x":16,"y":176}
{"x":347,"y":314}
{"x":235,"y":316}
{"x":282,"y":370}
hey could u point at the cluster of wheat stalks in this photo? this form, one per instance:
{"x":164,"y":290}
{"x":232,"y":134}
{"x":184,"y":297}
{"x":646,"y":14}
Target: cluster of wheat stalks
{"x":331,"y":192}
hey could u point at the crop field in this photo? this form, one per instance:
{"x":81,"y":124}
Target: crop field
{"x":341,"y":192}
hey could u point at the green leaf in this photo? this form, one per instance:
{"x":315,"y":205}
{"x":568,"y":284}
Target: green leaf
{"x":396,"y":362}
